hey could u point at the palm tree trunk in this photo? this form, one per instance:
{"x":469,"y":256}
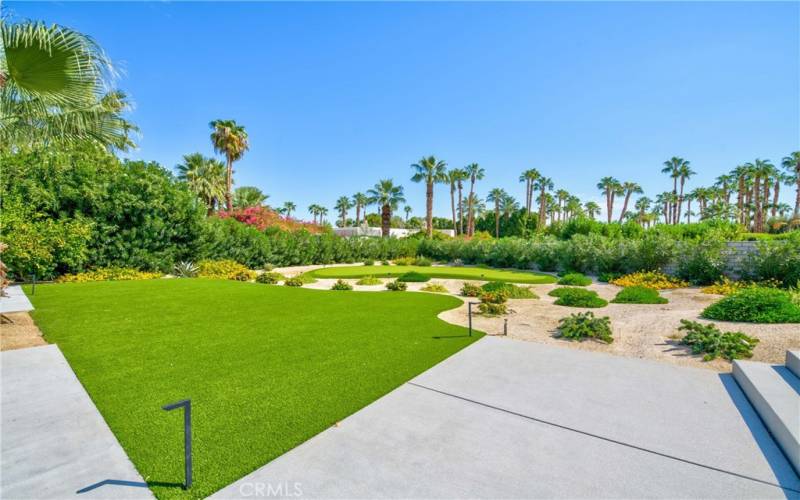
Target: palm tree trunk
{"x":229,"y":184}
{"x":689,"y":211}
{"x":453,"y":205}
{"x":542,"y":209}
{"x":429,"y":208}
{"x":757,"y":203}
{"x":625,"y":205}
{"x":358,"y":214}
{"x":386,"y":220}
{"x":470,"y":208}
{"x":609,"y":208}
{"x":497,"y":220}
{"x":775,"y":196}
{"x":765,"y":200}
{"x":460,"y":210}
{"x":680,"y":200}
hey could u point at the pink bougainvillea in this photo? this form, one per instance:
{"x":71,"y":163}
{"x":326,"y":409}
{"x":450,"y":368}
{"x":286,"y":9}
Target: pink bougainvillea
{"x":263,"y":218}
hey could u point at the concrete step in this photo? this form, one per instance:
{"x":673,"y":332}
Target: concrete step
{"x":774,"y":391}
{"x":793,"y":362}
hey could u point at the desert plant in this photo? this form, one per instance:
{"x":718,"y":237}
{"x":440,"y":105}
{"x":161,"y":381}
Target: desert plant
{"x":422,"y":261}
{"x":755,"y":305}
{"x":268,"y":267}
{"x":185,"y":270}
{"x":493,"y":303}
{"x":369,"y":262}
{"x":510,"y":290}
{"x":713,"y":343}
{"x":369,"y":280}
{"x":457,"y":263}
{"x":639,"y":295}
{"x":726,"y":286}
{"x":341,"y":285}
{"x":435,"y":288}
{"x":471,"y":290}
{"x":243,"y":275}
{"x":270,"y":278}
{"x":577,"y":297}
{"x":413,"y":277}
{"x":649,"y":279}
{"x":575,"y":279}
{"x":294,"y":281}
{"x":404,"y":261}
{"x":580,"y":326}
{"x":396,"y":286}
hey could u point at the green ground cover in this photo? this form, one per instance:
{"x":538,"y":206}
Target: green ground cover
{"x":266,"y":367}
{"x":452,"y":272}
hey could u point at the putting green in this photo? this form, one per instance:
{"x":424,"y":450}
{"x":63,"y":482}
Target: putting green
{"x":467,"y":273}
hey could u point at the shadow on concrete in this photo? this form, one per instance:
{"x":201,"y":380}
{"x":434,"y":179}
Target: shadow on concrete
{"x":778,"y":462}
{"x":789,"y":377}
{"x":131,"y":484}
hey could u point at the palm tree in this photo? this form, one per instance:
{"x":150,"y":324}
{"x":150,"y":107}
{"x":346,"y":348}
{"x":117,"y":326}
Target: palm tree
{"x":592,"y":209}
{"x":672,"y":167}
{"x":360,"y":201}
{"x":205,"y":177}
{"x":343,"y":204}
{"x":642,"y":206}
{"x":288,"y":208}
{"x":573,"y":207}
{"x":53,"y":89}
{"x":407,"y":209}
{"x":314,"y":210}
{"x":792,"y":165}
{"x":454,"y":177}
{"x":322,"y":213}
{"x":529,"y":177}
{"x":388,"y":196}
{"x":759,"y":170}
{"x":628,"y":188}
{"x":702,"y":195}
{"x":462,"y":176}
{"x":248,"y":196}
{"x":230,"y":139}
{"x":611,"y":188}
{"x":430,"y":171}
{"x":561,"y":195}
{"x":685,"y":171}
{"x":475,"y":173}
{"x":496,"y":196}
{"x":542,"y":184}
{"x":689,"y":197}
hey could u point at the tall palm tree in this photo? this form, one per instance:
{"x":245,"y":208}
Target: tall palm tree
{"x":628,"y":188}
{"x":387,"y":196}
{"x":343,"y":204}
{"x":509,"y":206}
{"x":702,"y":196}
{"x":462,"y":176}
{"x":454,"y":176}
{"x":407,"y":209}
{"x":496,"y":196}
{"x":430,"y":171}
{"x":230,"y":139}
{"x":205,"y":177}
{"x":314,"y":210}
{"x":759,"y":170}
{"x":288,"y":208}
{"x":792,"y":165}
{"x":592,"y":209}
{"x":573,"y":207}
{"x":54,"y":85}
{"x":561,"y":196}
{"x":672,"y":167}
{"x":322,"y":213}
{"x":360,"y":201}
{"x":642,"y":206}
{"x":684,"y":172}
{"x":248,"y":196}
{"x":475,"y":173}
{"x":611,"y":188}
{"x":543,"y":185}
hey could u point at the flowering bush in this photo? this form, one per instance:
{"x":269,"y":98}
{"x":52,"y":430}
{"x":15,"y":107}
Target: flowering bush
{"x":649,"y":279}
{"x":108,"y":274}
{"x":225,"y":269}
{"x":341,"y":285}
{"x":471,"y":290}
{"x":493,"y":303}
{"x":435,"y":288}
{"x":396,"y":286}
{"x":270,"y":278}
{"x":262,"y":218}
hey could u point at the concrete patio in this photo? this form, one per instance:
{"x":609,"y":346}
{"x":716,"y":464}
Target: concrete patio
{"x":511,"y":419}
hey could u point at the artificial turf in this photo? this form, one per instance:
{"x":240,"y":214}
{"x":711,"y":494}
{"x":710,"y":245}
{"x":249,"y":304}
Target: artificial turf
{"x":470,"y":273}
{"x":266,"y":367}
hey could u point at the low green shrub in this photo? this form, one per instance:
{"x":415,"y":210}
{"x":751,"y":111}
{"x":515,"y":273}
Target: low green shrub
{"x":404,"y":261}
{"x":510,"y":290}
{"x":639,"y":295}
{"x":607,"y":277}
{"x":422,"y":261}
{"x":294,"y":281}
{"x":306,"y":278}
{"x":585,"y":325}
{"x":435,"y":288}
{"x":413,"y":277}
{"x":396,"y":286}
{"x":108,"y":274}
{"x":471,"y":290}
{"x":577,"y":297}
{"x":384,"y":262}
{"x":493,"y":303}
{"x":755,"y":305}
{"x":341,"y":285}
{"x":575,"y":279}
{"x":713,"y":343}
{"x":369,"y":262}
{"x":185,"y":270}
{"x":369,"y":280}
{"x":227,"y":269}
{"x":270,"y":278}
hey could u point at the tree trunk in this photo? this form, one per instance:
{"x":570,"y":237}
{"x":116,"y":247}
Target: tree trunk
{"x":666,"y":212}
{"x":765,"y":200}
{"x":229,"y":184}
{"x":689,"y":211}
{"x":460,"y":209}
{"x":625,"y":205}
{"x":740,"y":200}
{"x":429,"y":208}
{"x":757,"y":203}
{"x":496,"y":220}
{"x":358,"y":214}
{"x":542,"y":209}
{"x":680,"y":201}
{"x":386,"y":220}
{"x":528,"y":196}
{"x":776,"y":196}
{"x":470,"y":208}
{"x":609,"y":205}
{"x":453,"y":205}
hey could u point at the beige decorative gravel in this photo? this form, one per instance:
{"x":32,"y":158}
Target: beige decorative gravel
{"x":22,"y":333}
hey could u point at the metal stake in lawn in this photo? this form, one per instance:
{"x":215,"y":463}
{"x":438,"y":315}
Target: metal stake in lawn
{"x":33,"y":284}
{"x":505,"y":326}
{"x":186,"y":404}
{"x":469,"y":307}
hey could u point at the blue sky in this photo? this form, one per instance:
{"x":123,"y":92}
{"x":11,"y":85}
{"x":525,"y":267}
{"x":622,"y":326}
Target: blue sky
{"x":338,"y":95}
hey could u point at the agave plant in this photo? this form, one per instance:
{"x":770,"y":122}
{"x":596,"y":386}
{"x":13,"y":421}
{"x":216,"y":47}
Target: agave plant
{"x":185,"y":270}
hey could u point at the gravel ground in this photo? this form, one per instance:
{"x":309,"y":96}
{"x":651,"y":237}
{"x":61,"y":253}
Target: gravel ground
{"x":20,"y":334}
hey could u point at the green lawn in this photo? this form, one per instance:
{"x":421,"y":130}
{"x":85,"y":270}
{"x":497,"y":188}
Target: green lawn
{"x":266,"y":367}
{"x":469,"y":273}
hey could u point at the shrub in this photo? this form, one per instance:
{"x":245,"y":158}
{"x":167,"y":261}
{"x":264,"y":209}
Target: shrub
{"x":725,"y":286}
{"x":244,"y":275}
{"x":577,"y":297}
{"x":457,"y":263}
{"x":306,"y":278}
{"x":775,"y":259}
{"x":422,"y":261}
{"x":294,"y":281}
{"x":384,"y":262}
{"x":396,"y":286}
{"x":413,"y":277}
{"x":639,"y":295}
{"x":585,"y":325}
{"x":649,"y":279}
{"x":369,"y":262}
{"x":575,"y":279}
{"x":701,"y":261}
{"x":755,"y":305}
{"x":471,"y":290}
{"x":185,"y":270}
{"x":369,"y":280}
{"x":404,"y":261}
{"x":607,"y":277}
{"x":268,"y":267}
{"x":435,"y":288}
{"x":270,"y":278}
{"x":510,"y":290}
{"x":493,"y":304}
{"x":108,"y":274}
{"x":224,"y":269}
{"x":341,"y":285}
{"x":713,"y":343}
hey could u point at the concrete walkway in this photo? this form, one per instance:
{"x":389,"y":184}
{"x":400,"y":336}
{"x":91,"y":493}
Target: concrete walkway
{"x":54,"y":441}
{"x":15,"y":301}
{"x":511,"y":419}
